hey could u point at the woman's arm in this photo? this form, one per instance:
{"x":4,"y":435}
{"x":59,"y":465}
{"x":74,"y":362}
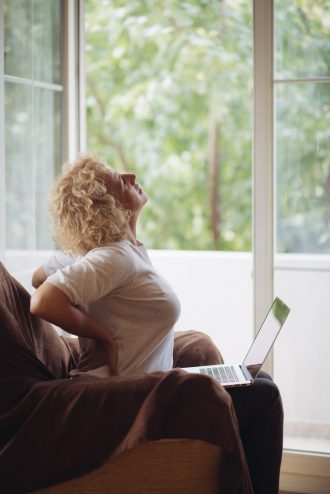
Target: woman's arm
{"x":53,"y":305}
{"x":56,"y":261}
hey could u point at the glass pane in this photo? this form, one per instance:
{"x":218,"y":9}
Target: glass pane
{"x":303,"y":172}
{"x":47,"y":40}
{"x":169,"y":96}
{"x":48,"y":157}
{"x":33,"y":39}
{"x":303,"y":220}
{"x":33,"y":118}
{"x":302,"y":38}
{"x":19,"y":166}
{"x":18,"y":38}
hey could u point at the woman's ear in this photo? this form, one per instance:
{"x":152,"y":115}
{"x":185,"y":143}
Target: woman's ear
{"x":129,"y":214}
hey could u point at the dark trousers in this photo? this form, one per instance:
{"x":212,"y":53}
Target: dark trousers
{"x":259,"y":413}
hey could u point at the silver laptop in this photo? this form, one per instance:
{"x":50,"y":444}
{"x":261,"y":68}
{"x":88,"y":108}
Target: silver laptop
{"x":245,"y":373}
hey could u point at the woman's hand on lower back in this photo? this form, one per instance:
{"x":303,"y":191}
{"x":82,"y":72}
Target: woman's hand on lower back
{"x":52,"y":304}
{"x":98,"y":353}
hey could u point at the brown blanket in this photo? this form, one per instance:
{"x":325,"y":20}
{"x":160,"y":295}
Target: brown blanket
{"x":54,"y":428}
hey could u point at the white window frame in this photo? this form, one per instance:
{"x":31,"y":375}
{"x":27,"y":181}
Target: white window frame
{"x":301,"y":472}
{"x":263,"y":196}
{"x":73,"y":79}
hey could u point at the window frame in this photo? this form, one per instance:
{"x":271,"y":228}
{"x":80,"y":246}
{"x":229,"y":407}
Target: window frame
{"x":73,"y":78}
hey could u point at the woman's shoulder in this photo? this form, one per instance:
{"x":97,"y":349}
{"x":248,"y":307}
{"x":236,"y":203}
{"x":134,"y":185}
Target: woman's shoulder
{"x":119,"y":252}
{"x":113,"y":248}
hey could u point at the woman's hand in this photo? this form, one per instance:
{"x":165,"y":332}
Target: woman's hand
{"x":98,"y":353}
{"x":38,"y":277}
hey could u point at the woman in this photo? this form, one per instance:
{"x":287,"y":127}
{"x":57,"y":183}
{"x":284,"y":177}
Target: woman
{"x":106,"y":290}
{"x":112,"y":295}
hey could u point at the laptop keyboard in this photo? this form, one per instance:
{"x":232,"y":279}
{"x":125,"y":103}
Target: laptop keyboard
{"x":226,"y":374}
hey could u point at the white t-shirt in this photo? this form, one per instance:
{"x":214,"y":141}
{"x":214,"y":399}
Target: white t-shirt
{"x":119,"y":287}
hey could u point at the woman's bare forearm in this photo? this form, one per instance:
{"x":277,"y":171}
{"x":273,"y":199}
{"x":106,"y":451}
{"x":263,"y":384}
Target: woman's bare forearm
{"x":53,"y":305}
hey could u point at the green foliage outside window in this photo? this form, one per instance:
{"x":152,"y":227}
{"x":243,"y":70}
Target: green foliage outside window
{"x":169,"y":97}
{"x":302,"y":143}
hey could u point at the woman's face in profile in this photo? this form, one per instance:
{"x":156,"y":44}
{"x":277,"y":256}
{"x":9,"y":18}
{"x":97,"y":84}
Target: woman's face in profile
{"x":126,"y":191}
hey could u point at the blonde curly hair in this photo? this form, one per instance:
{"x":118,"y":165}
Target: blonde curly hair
{"x":85,"y":215}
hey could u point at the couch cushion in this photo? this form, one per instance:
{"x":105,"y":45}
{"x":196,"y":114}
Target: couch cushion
{"x":194,"y":348}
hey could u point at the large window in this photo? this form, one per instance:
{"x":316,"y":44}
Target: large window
{"x":33,"y":109}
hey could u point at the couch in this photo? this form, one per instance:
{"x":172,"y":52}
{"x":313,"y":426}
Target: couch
{"x":165,"y":432}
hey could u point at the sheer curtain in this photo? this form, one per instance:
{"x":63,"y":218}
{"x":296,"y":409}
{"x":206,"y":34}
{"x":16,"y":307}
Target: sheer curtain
{"x":33,"y":94}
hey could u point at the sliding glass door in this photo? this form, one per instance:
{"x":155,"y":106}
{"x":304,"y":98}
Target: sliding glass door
{"x":302,"y":180}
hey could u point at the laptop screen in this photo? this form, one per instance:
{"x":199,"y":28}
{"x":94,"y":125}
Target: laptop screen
{"x":266,"y":336}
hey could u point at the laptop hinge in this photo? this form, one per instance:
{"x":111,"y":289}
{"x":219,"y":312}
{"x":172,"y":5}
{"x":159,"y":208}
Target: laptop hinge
{"x":246,"y":373}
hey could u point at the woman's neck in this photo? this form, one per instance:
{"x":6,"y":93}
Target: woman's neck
{"x":131,"y":232}
{"x":132,"y":227}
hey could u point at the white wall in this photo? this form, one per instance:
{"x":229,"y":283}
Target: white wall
{"x":215,"y":289}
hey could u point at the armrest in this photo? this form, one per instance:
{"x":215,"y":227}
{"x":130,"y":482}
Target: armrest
{"x":184,"y":466}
